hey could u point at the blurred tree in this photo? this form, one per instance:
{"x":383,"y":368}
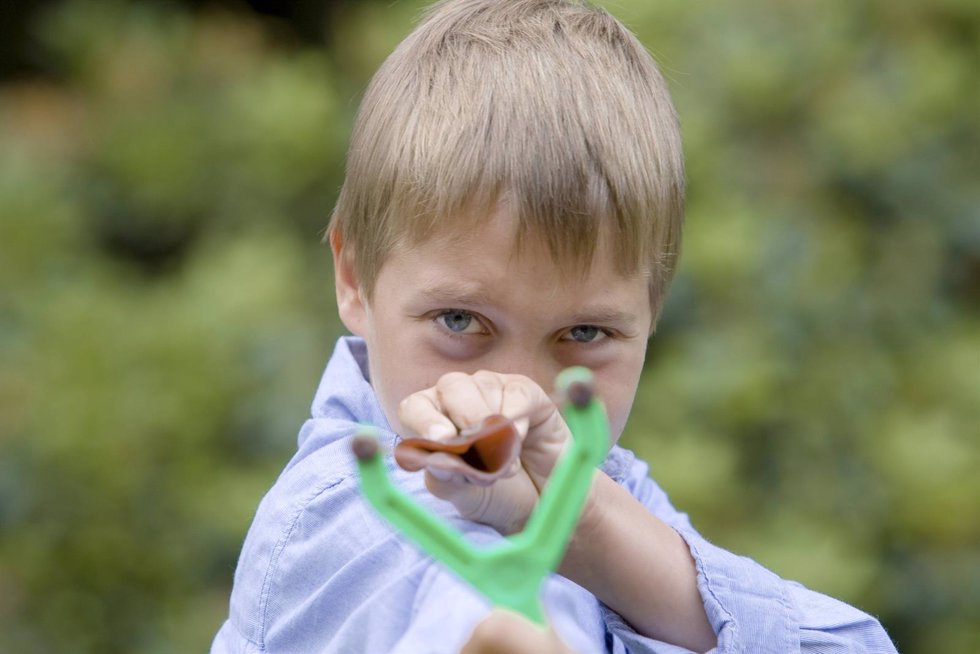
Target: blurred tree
{"x":166,"y":170}
{"x":165,"y":315}
{"x":308,"y":21}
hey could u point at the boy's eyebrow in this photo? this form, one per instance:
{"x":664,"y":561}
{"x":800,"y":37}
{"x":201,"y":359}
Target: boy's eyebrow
{"x":469,"y":295}
{"x":603,"y":316}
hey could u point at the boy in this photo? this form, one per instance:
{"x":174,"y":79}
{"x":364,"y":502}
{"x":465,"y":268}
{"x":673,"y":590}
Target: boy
{"x":512,"y":207}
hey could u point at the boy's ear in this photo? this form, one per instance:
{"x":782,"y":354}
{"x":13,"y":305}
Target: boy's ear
{"x":350,"y":301}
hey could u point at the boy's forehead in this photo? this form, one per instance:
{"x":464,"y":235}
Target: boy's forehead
{"x":495,"y":238}
{"x":496,"y":229}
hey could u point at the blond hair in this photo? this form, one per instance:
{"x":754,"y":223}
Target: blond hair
{"x":552,"y":105}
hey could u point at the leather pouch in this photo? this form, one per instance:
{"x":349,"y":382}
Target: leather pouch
{"x":482,"y":454}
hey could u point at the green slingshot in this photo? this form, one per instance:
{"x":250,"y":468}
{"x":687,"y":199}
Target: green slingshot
{"x":508,"y":573}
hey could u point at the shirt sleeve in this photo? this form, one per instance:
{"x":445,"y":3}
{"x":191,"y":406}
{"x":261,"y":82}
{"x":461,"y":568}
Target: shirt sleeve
{"x":320,"y":572}
{"x":750,"y":608}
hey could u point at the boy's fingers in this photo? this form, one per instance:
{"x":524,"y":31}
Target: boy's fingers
{"x":421,"y":414}
{"x":461,"y":399}
{"x":504,"y":504}
{"x":491,"y":387}
{"x":453,"y":488}
{"x":518,"y":399}
{"x":522,"y":397}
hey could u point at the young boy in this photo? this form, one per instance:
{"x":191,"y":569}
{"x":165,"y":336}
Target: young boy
{"x":512,"y":207}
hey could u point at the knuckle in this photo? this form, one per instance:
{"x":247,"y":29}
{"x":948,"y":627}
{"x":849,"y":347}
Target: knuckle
{"x":451,"y":379}
{"x":408,"y":404}
{"x":520,"y":386}
{"x":487,"y":379}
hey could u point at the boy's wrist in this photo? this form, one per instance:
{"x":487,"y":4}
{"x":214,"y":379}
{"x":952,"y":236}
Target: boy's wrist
{"x":638,"y":566}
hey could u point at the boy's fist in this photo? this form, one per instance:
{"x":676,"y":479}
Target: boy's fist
{"x":503,"y":632}
{"x":459,"y":401}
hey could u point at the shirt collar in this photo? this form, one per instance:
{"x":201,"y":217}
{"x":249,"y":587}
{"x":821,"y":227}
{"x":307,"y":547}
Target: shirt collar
{"x":344,"y":391}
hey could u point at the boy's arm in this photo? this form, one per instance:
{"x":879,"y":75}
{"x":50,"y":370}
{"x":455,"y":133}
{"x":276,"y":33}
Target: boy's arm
{"x":750,"y":608}
{"x":638,"y":566}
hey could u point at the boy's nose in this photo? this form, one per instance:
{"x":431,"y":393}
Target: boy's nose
{"x":539,"y":367}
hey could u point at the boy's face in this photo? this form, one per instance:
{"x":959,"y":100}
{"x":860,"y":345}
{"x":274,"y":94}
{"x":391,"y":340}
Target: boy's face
{"x":468,"y":303}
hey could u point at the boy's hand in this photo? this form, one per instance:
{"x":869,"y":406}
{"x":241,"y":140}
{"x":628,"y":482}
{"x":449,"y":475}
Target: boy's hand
{"x":458,"y":401}
{"x":503,"y":632}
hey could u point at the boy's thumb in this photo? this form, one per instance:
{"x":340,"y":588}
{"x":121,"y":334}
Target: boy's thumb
{"x":507,"y":632}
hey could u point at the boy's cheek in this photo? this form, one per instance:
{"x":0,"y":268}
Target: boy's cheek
{"x":618,"y":400}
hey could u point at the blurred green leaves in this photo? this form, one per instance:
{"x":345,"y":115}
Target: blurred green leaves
{"x":813,"y":394}
{"x":165,"y":316}
{"x":811,"y":397}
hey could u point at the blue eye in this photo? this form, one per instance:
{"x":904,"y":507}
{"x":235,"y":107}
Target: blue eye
{"x":586,"y":334}
{"x":455,"y":321}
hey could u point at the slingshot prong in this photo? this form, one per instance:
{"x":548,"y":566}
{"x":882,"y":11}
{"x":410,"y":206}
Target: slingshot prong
{"x":576,"y":385}
{"x":579,"y":393}
{"x":365,"y":446}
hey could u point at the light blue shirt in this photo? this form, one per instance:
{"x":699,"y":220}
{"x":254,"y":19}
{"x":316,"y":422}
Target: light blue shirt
{"x":321,"y":572}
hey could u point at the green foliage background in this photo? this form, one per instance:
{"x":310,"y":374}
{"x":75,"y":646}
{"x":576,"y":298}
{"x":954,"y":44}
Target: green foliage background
{"x":812,"y":396}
